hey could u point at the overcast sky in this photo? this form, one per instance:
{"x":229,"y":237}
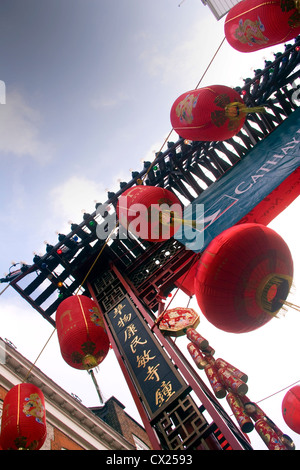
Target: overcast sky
{"x":89,"y":88}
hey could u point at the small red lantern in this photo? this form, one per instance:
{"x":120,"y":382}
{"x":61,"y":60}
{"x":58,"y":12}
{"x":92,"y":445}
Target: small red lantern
{"x":211,"y":113}
{"x":291,"y":408}
{"x":243,"y":277}
{"x":23,"y":418}
{"x":81,"y":332}
{"x":255,"y":24}
{"x":151,"y":213}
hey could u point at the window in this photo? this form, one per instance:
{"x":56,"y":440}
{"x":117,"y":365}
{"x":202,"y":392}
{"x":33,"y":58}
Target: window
{"x":139,"y":444}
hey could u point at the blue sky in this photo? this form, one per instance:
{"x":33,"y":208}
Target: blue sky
{"x":89,"y":88}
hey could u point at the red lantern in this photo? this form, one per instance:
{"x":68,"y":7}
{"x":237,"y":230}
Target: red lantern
{"x":291,"y":408}
{"x":151,"y":213}
{"x":243,"y":277}
{"x":23,"y":418}
{"x":212,"y":113}
{"x":81,"y":332}
{"x":255,"y":24}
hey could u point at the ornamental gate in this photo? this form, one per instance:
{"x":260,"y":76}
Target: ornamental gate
{"x":131,"y":277}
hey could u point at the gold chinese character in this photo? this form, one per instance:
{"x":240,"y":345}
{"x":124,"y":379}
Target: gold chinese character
{"x":130,"y":331}
{"x":135,"y":342}
{"x":152,"y":373}
{"x":123,"y":320}
{"x":163,"y":393}
{"x":118,"y":310}
{"x":143,"y":359}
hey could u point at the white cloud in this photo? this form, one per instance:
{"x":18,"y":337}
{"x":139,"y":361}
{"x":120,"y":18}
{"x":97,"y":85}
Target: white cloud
{"x":183,"y":62}
{"x":19,"y":129}
{"x":69,"y":200}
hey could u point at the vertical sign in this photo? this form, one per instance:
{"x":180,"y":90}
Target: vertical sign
{"x":155,"y":376}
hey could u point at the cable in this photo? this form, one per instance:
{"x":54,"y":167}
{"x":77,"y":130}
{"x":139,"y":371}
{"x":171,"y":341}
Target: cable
{"x":279,"y":391}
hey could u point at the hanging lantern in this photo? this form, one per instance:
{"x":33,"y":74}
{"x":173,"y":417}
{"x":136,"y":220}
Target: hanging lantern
{"x":243,"y":278}
{"x":23,"y":418}
{"x":291,"y":408}
{"x":255,"y":24}
{"x":149,"y":212}
{"x":83,"y":340}
{"x":211,"y":113}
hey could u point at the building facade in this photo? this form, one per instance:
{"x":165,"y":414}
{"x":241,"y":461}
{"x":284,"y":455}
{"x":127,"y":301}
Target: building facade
{"x":220,"y":8}
{"x":71,"y":425}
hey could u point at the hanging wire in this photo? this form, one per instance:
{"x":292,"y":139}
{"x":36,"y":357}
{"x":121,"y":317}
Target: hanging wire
{"x":159,"y":318}
{"x":97,"y":257}
{"x":279,"y":391}
{"x":197,"y":86}
{"x":3,"y":290}
{"x":32,"y":366}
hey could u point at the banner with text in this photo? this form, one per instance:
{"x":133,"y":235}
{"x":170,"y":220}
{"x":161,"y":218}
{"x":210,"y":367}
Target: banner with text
{"x":244,"y":186}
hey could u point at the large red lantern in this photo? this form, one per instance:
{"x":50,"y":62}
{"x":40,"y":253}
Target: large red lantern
{"x":151,"y":213}
{"x":23,"y":418}
{"x":243,"y":277}
{"x":208,"y":114}
{"x":81,"y":332}
{"x":291,"y":408}
{"x":255,"y":24}
{"x":212,"y":113}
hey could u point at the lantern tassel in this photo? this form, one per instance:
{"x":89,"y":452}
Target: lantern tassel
{"x":235,"y":109}
{"x":290,"y":304}
{"x":192,"y":223}
{"x":91,"y":372}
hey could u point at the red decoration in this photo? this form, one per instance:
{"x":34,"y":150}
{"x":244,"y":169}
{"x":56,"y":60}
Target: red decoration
{"x":215,"y":382}
{"x":81,"y":332}
{"x":197,"y":339}
{"x":241,"y":416}
{"x":232,"y":382}
{"x":291,"y":408}
{"x":149,"y":212}
{"x":221,"y":364}
{"x":243,"y":277}
{"x":197,"y":356}
{"x":269,"y":436}
{"x":255,"y":24}
{"x":23,"y":418}
{"x":211,"y":113}
{"x":177,"y":321}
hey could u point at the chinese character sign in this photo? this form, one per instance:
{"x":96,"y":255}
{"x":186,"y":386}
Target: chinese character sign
{"x":153,"y":372}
